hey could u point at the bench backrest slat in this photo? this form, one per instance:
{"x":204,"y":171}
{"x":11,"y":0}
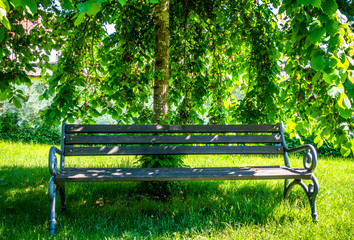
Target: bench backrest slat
{"x":84,"y":140}
{"x":172,"y":150}
{"x":75,"y":128}
{"x":177,"y":139}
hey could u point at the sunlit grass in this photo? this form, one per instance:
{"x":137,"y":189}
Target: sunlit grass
{"x":196,"y":210}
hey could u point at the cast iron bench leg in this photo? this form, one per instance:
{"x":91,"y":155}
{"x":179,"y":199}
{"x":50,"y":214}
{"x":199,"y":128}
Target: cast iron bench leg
{"x":52,"y":192}
{"x":311,"y":192}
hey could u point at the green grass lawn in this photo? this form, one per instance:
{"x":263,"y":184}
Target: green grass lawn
{"x":195,"y":210}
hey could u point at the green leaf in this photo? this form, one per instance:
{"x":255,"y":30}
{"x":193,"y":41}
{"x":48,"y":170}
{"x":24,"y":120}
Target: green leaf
{"x":317,"y":35}
{"x":96,"y":7}
{"x":316,"y":3}
{"x":91,"y":7}
{"x":335,"y":41}
{"x":351,"y":76}
{"x":314,"y":24}
{"x":316,"y":77}
{"x":317,"y":61}
{"x":67,"y":5}
{"x":2,"y":34}
{"x":29,"y":5}
{"x":331,"y":27}
{"x":299,"y":126}
{"x":326,"y":131}
{"x":295,"y":34}
{"x":45,"y":3}
{"x":305,"y":2}
{"x":333,"y":61}
{"x":115,"y":115}
{"x":323,"y":18}
{"x":16,"y":3}
{"x":3,"y":96}
{"x":345,"y":150}
{"x":79,"y":19}
{"x":320,"y":143}
{"x":6,"y":23}
{"x":343,"y":76}
{"x":122,"y":2}
{"x":342,"y":60}
{"x":16,"y":102}
{"x":317,"y":139}
{"x":85,"y":6}
{"x":329,"y":7}
{"x":154,"y":1}
{"x":331,"y":75}
{"x":347,"y":103}
{"x":282,"y":9}
{"x":335,"y":91}
{"x":345,"y":113}
{"x":344,"y":101}
{"x":5,"y":5}
{"x":26,"y":80}
{"x":71,"y":119}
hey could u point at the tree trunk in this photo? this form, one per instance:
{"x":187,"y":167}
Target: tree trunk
{"x":162,"y":56}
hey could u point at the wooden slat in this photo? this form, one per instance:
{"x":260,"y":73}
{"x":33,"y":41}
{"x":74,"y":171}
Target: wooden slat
{"x":171,"y":150}
{"x":164,"y":139}
{"x":74,"y":128}
{"x":179,"y":174}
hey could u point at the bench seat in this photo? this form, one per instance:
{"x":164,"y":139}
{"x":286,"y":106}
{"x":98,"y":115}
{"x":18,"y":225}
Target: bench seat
{"x":180,"y":174}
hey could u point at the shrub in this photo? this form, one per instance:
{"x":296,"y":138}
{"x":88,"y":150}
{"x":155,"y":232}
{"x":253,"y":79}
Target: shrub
{"x":27,"y":131}
{"x":324,"y":150}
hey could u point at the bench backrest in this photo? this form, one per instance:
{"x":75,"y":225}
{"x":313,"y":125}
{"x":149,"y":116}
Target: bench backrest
{"x":83,"y":140}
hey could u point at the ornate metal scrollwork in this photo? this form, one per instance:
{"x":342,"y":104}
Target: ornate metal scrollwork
{"x":52,"y":189}
{"x":311,"y":192}
{"x":53,"y":161}
{"x":307,"y":159}
{"x":310,"y":157}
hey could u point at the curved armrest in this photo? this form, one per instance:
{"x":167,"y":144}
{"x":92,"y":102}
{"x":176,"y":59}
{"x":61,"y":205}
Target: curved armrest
{"x":53,"y":165}
{"x":310,"y":158}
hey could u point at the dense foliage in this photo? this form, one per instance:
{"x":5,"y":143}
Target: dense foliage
{"x":12,"y":129}
{"x":291,"y":59}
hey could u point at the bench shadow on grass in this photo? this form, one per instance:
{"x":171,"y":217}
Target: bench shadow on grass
{"x":125,"y":210}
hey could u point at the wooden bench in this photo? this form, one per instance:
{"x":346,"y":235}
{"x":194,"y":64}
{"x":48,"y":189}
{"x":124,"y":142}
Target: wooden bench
{"x":93,"y":140}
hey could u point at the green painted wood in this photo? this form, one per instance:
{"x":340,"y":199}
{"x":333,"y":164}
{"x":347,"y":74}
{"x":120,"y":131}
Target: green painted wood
{"x":168,"y":139}
{"x":171,"y":150}
{"x":179,"y":174}
{"x":75,"y":128}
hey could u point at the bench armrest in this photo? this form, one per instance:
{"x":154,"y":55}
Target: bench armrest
{"x":53,"y":165}
{"x":310,"y":157}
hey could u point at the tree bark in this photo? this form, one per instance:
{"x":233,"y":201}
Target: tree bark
{"x":162,"y":56}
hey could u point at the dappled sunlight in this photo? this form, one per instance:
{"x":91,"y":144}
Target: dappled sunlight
{"x":204,"y":209}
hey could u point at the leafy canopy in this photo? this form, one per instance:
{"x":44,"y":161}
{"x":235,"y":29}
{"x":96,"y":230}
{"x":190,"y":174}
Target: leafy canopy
{"x":230,"y":62}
